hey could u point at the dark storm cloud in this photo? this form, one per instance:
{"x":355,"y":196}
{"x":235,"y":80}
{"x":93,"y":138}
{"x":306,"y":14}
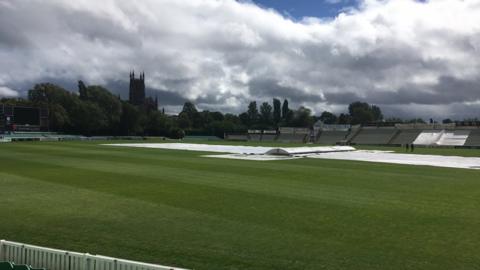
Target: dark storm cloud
{"x":273,"y":89}
{"x":166,"y":98}
{"x":448,"y":90}
{"x":9,"y":35}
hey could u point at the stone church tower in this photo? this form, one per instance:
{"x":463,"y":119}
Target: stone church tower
{"x":137,"y":89}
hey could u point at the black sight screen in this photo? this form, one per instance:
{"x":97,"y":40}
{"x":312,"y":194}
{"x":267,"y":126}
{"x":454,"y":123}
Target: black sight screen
{"x":26,"y":116}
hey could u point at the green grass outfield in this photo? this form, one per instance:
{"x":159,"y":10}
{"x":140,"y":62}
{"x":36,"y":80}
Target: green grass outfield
{"x":177,"y":208}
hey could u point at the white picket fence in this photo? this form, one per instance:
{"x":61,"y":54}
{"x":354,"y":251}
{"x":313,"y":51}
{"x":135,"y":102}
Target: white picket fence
{"x":55,"y":259}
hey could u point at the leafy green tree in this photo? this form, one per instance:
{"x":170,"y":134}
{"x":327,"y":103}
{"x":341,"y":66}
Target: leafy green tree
{"x":344,"y":119}
{"x":189,"y":109}
{"x":59,"y":119}
{"x":285,"y":110}
{"x":16,"y":101}
{"x":110,"y":105}
{"x":89,"y":119}
{"x":176,"y":133}
{"x":266,"y":114}
{"x":252,"y":113}
{"x":377,"y":113}
{"x":157,"y":124}
{"x":184,"y":121}
{"x":415,"y":120}
{"x":277,"y":111}
{"x":244,"y":119}
{"x":131,"y":120}
{"x":363,"y":113}
{"x":190,"y":114}
{"x":82,"y":90}
{"x":447,"y":121}
{"x":216,"y":116}
{"x":302,"y":117}
{"x":328,"y":118}
{"x":59,"y":102}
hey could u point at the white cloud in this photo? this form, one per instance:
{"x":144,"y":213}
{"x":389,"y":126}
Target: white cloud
{"x":7,"y":92}
{"x":396,"y":53}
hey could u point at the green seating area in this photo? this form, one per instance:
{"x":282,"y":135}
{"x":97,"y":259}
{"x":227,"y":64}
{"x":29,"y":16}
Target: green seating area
{"x":255,"y":137}
{"x":331,"y":136}
{"x":405,"y":136}
{"x":292,"y":138}
{"x":203,"y":138}
{"x":474,"y":138}
{"x":374,"y":136}
{"x":269,"y":137}
{"x":13,"y":266}
{"x":236,"y":137}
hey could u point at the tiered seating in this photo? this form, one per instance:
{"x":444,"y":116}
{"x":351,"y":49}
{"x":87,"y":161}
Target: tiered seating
{"x":374,"y":136}
{"x":474,"y":138}
{"x":237,"y":137}
{"x":289,"y":137}
{"x":255,"y":137}
{"x":331,"y":136}
{"x":406,"y":136}
{"x":453,"y":137}
{"x":352,"y":133}
{"x":428,"y":137}
{"x":269,"y":137}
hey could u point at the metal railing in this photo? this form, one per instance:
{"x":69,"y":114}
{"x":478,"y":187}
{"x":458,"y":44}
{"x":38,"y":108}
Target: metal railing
{"x":55,"y":259}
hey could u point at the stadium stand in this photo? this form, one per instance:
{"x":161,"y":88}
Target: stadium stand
{"x":400,"y":134}
{"x":473,"y":138}
{"x":354,"y":130}
{"x":269,"y":137}
{"x":428,"y":137}
{"x":255,"y":137}
{"x":295,"y":135}
{"x":297,"y":138}
{"x":331,"y":136}
{"x":202,"y":137}
{"x":374,"y":136}
{"x":236,"y":137}
{"x":330,"y":133}
{"x":406,"y":136}
{"x":442,"y":137}
{"x":453,"y":137}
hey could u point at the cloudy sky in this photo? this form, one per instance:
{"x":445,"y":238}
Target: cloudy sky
{"x":412,"y":58}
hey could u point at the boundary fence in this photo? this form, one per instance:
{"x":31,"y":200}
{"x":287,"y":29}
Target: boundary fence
{"x":56,"y":259}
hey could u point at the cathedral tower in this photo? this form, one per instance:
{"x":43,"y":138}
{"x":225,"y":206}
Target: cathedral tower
{"x":137,"y":89}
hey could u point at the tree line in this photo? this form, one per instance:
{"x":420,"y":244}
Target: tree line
{"x":94,"y":110}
